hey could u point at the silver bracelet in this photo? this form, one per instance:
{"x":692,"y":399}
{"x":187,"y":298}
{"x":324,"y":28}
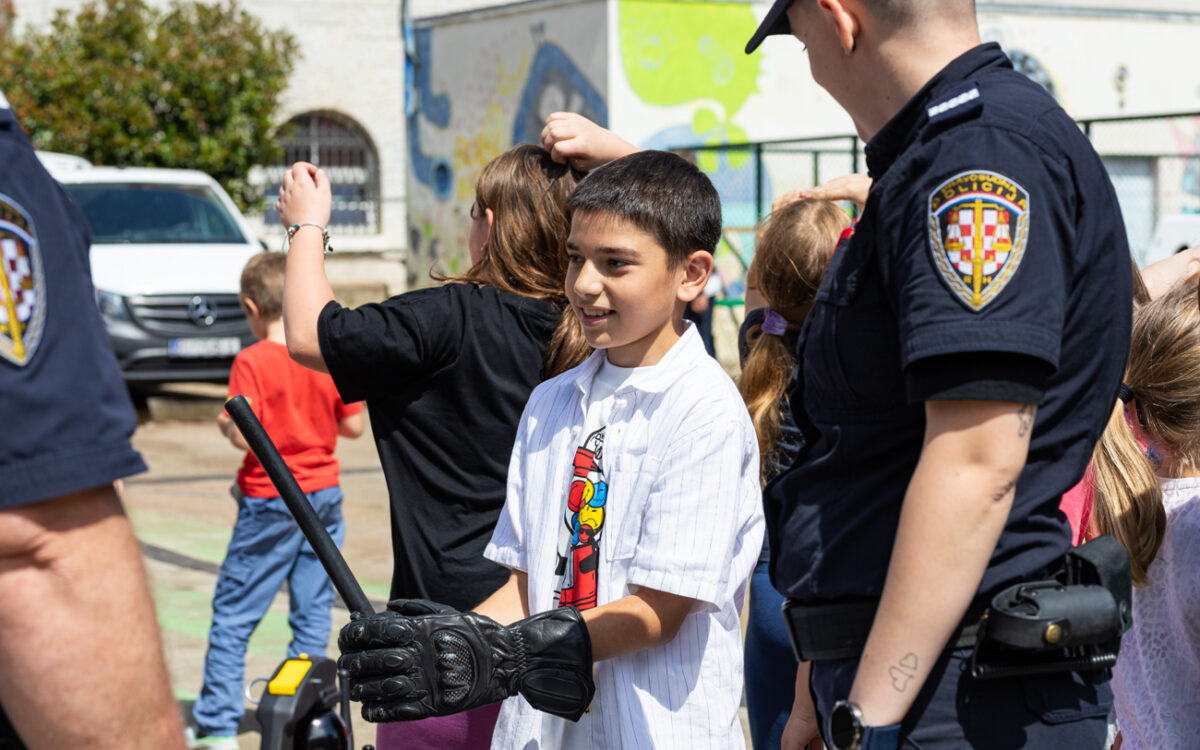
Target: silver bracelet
{"x":291,"y":232}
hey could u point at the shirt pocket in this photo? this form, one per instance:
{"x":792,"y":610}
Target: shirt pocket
{"x":852,"y":361}
{"x":827,"y":382}
{"x":630,"y":484}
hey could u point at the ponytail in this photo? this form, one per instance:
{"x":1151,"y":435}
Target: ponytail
{"x":1128,"y":495}
{"x":763,"y":384}
{"x":1164,"y":377}
{"x":795,"y":244}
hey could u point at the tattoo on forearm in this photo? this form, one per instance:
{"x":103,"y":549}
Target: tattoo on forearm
{"x":1025,"y":418}
{"x":903,"y":671}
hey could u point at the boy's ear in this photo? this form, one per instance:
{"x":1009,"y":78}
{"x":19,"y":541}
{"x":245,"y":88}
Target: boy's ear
{"x":695,"y":271}
{"x":252,"y":310}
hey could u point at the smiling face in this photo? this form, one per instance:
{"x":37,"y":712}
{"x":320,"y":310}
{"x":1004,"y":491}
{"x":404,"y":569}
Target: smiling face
{"x":629,"y":301}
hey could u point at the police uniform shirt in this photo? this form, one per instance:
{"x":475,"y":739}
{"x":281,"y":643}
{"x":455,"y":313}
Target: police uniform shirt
{"x":990,"y":263}
{"x":65,"y":415}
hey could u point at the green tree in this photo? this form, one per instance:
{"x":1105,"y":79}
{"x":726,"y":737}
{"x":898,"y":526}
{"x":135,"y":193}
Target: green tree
{"x":195,"y":86}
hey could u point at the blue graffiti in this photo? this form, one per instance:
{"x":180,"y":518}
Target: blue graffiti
{"x":553,"y":73}
{"x":434,"y":171}
{"x":553,"y":78}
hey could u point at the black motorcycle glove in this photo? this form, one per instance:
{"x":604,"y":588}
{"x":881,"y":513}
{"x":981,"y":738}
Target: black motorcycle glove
{"x":421,"y":659}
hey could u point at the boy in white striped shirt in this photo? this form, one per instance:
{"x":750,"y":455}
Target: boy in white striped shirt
{"x":633,"y":516}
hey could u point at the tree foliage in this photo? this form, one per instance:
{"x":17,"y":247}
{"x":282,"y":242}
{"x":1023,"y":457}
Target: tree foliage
{"x":193,"y":85}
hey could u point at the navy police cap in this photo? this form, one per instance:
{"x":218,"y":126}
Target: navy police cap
{"x":776,"y":22}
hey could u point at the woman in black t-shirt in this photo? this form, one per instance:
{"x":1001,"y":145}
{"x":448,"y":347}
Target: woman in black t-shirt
{"x":445,"y":372}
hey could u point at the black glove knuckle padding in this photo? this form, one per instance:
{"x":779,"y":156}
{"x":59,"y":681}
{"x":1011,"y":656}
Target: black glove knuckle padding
{"x":436,"y":661}
{"x":455,"y":665}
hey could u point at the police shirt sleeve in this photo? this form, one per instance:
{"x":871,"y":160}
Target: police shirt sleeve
{"x":375,"y":349}
{"x":983,"y":264}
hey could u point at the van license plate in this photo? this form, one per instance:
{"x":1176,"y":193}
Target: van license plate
{"x":205,"y":347}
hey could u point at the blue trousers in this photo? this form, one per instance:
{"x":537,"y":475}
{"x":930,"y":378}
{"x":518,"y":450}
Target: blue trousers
{"x":770,"y":663}
{"x":1064,"y":711}
{"x":267,"y":549}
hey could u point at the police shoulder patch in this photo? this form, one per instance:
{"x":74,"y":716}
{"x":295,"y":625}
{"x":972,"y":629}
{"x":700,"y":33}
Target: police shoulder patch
{"x":22,"y":284}
{"x":978,"y":227}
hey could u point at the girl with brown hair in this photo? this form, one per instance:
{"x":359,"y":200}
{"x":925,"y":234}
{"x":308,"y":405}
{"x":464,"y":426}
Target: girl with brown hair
{"x":445,"y":372}
{"x":1150,"y":501}
{"x":795,"y":245}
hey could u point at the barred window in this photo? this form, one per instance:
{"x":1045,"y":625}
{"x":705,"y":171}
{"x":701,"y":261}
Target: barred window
{"x":339,"y":146}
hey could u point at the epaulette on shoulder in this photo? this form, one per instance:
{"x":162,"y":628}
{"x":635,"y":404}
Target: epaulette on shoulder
{"x":960,"y":103}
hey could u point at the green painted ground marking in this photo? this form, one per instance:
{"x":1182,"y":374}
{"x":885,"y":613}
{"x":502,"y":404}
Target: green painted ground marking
{"x":206,"y":541}
{"x":189,"y":613}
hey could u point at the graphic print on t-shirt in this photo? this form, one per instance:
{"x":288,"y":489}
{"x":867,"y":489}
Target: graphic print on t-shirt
{"x":583,"y":522}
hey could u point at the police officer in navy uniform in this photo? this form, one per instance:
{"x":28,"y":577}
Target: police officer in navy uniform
{"x":79,"y":644}
{"x":962,"y":358}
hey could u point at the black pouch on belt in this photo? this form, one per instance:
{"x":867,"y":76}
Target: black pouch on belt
{"x":1072,"y":622}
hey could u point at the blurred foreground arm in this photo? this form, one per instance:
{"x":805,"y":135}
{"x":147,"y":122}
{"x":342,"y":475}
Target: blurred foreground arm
{"x":80,"y":647}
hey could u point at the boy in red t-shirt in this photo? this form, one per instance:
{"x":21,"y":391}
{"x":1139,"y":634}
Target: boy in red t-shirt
{"x":303,"y":413}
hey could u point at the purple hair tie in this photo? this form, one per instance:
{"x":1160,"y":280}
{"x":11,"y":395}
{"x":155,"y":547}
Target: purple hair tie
{"x":774,"y":323}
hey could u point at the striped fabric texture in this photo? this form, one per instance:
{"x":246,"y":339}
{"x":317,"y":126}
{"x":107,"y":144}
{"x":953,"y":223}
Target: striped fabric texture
{"x":683,"y":515}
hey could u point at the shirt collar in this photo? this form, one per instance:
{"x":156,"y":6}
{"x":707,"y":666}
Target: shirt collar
{"x":657,"y":377}
{"x":904,"y":127}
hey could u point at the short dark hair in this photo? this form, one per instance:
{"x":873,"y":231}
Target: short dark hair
{"x":262,"y":281}
{"x":660,"y":193}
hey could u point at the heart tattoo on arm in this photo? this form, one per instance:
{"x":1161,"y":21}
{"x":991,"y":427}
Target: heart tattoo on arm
{"x":903,"y":672}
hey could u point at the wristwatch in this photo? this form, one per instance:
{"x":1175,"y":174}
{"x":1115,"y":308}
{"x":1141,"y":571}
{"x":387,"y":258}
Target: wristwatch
{"x":848,"y":732}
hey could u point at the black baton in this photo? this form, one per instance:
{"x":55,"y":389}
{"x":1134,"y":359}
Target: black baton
{"x":287,"y":487}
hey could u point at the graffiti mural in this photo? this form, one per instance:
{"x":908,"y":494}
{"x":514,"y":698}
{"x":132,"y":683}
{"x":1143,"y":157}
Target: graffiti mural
{"x":483,"y":84}
{"x":691,"y":55}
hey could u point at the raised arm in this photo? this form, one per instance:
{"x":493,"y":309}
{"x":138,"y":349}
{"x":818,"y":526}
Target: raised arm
{"x":1161,"y":276}
{"x":573,"y":139}
{"x":305,"y":199}
{"x":850,"y":187}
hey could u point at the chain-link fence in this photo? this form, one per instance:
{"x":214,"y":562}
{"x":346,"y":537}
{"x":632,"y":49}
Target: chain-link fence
{"x":750,"y":177}
{"x":1153,"y":160}
{"x":1154,"y":165}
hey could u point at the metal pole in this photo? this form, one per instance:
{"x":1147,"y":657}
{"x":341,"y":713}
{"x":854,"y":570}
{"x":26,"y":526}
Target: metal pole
{"x":758,"y":183}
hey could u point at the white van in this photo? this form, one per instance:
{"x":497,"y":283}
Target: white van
{"x":168,"y":247}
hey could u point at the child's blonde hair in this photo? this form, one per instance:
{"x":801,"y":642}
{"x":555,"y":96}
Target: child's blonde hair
{"x":262,"y":282}
{"x":1164,"y":375}
{"x":795,"y":244}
